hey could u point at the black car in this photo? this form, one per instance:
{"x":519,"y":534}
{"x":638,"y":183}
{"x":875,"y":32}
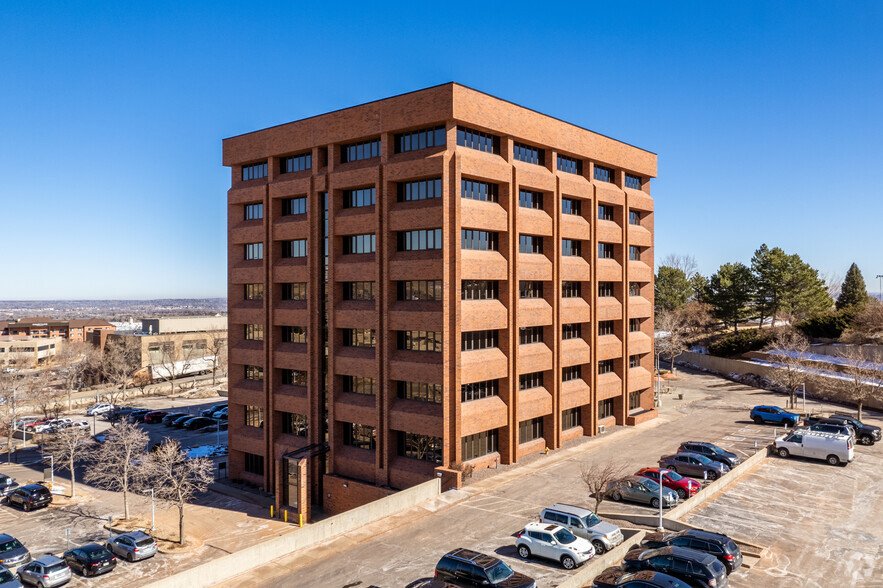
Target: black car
{"x":7,"y":485}
{"x":695,"y":567}
{"x":30,"y":496}
{"x":711,"y":451}
{"x":720,"y":546}
{"x":179,"y":422}
{"x":865,"y":434}
{"x":137,"y":416}
{"x":463,"y":567}
{"x":171,"y":417}
{"x":90,"y":560}
{"x":616,"y":577}
{"x":198,"y":423}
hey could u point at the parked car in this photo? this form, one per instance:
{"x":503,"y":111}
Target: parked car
{"x":155,"y":416}
{"x":617,"y":577}
{"x":221,"y":414}
{"x":47,"y":572}
{"x":640,"y":489}
{"x":7,"y":485}
{"x":583,"y":523}
{"x":695,"y":567}
{"x":133,"y":546}
{"x":137,"y":416}
{"x":555,"y":543}
{"x":865,"y":434}
{"x":100,"y":408}
{"x":7,"y":579}
{"x":169,"y":418}
{"x":685,"y":487}
{"x":835,"y":449}
{"x":12,"y":552}
{"x":210,"y":411}
{"x":464,"y":567}
{"x":711,"y":451}
{"x":179,"y":422}
{"x":26,"y":423}
{"x":119,"y":413}
{"x":68,"y":425}
{"x":30,"y":496}
{"x":720,"y":546}
{"x":774,"y":415}
{"x":198,"y":423}
{"x":90,"y":560}
{"x":831,"y":429}
{"x":693,"y":464}
{"x":52,"y":425}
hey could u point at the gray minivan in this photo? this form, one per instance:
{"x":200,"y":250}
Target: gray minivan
{"x":584,"y":523}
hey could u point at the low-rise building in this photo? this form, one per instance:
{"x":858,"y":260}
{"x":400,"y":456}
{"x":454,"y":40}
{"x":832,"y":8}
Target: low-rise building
{"x":42,"y":327}
{"x":27,"y":352}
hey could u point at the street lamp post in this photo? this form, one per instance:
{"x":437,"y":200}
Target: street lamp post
{"x":52,"y":471}
{"x":152,"y":510}
{"x":803,"y":387}
{"x":660,"y":528}
{"x":880,"y":293}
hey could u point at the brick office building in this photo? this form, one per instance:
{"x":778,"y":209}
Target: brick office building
{"x":442,"y":277}
{"x":43,"y":327}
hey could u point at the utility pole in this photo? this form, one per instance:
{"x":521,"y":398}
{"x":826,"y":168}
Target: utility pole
{"x":880,"y":292}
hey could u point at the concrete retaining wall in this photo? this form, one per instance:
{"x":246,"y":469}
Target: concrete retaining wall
{"x":869,"y":352}
{"x":596,"y":565}
{"x":228,"y":566}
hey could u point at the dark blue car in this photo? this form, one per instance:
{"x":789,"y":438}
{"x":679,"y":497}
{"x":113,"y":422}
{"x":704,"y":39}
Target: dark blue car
{"x":774,"y":415}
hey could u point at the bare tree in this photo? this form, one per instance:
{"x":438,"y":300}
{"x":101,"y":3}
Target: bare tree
{"x":176,"y":478}
{"x":833,"y":281}
{"x":12,"y":383}
{"x":598,"y":475}
{"x":685,"y":263}
{"x":42,"y":394}
{"x":697,"y":317}
{"x":111,"y":465}
{"x":791,"y":350}
{"x":121,"y":358}
{"x":66,"y":446}
{"x":74,"y":359}
{"x":671,"y":335}
{"x":217,"y":351}
{"x":864,"y":379}
{"x":166,"y":365}
{"x":867,"y":327}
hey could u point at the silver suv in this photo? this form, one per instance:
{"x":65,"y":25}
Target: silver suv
{"x":583,"y":523}
{"x":133,"y":546}
{"x":46,"y":572}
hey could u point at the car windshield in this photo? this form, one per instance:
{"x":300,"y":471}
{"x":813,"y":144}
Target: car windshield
{"x":97,"y":555}
{"x":56,"y":567}
{"x":715,"y":449}
{"x":717,"y":567}
{"x":649,"y":484}
{"x":674,"y":476}
{"x":8,"y":546}
{"x":565,"y":537}
{"x":703,"y":460}
{"x":591,"y":520}
{"x":144,"y":542}
{"x":499,"y":572}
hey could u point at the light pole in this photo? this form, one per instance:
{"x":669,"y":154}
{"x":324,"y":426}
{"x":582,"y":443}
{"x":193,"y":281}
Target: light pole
{"x":803,"y":387}
{"x":152,"y":510}
{"x":51,"y":471}
{"x":660,"y":528}
{"x":880,"y":293}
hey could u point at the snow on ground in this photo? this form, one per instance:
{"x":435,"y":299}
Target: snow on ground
{"x":809,"y":370}
{"x":822,"y":358}
{"x":206,"y":451}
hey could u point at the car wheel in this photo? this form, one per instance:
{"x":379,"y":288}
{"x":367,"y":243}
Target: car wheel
{"x":833,"y":460}
{"x":523,"y":551}
{"x":568,"y":562}
{"x":673,"y":468}
{"x":783,"y":452}
{"x":757,"y":420}
{"x":682,"y":494}
{"x":599,"y":547}
{"x":26,"y":506}
{"x":654,"y":502}
{"x":866,"y":440}
{"x":712,"y":475}
{"x":130,"y":557}
{"x":616,"y":496}
{"x":790,"y":423}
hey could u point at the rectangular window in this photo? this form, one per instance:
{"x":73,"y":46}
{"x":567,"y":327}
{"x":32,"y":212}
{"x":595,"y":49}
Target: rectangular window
{"x":479,"y":444}
{"x":479,"y":240}
{"x":422,"y":447}
{"x":294,"y":291}
{"x":359,"y":151}
{"x":634,"y":217}
{"x":292,"y":206}
{"x":473,"y":340}
{"x":479,"y":390}
{"x":254,"y":291}
{"x":530,"y":244}
{"x":420,"y":240}
{"x":529,"y":154}
{"x":419,"y":190}
{"x":254,"y":211}
{"x":571,"y":247}
{"x":254,"y":171}
{"x":294,"y":248}
{"x":254,"y":251}
{"x":605,"y":250}
{"x":530,"y":430}
{"x":358,"y":290}
{"x":528,"y":335}
{"x":478,"y":140}
{"x":294,"y":334}
{"x":532,"y":380}
{"x":605,"y":212}
{"x":603,"y":174}
{"x":605,"y":366}
{"x":420,"y":391}
{"x":358,"y":197}
{"x":633,"y":182}
{"x":634,"y":361}
{"x":530,"y":199}
{"x":605,"y":408}
{"x":570,"y":165}
{"x":634,"y":288}
{"x":294,"y":424}
{"x":254,"y":464}
{"x":254,"y":332}
{"x":571,"y":418}
{"x":572,"y":372}
{"x":422,"y":139}
{"x":420,"y":341}
{"x":571,"y":289}
{"x":356,"y":244}
{"x":361,"y":436}
{"x":295,"y":163}
{"x":634,"y":325}
{"x":420,"y":290}
{"x":605,"y":328}
{"x":634,"y":400}
{"x":359,"y":338}
{"x":254,"y":416}
{"x":571,"y":206}
{"x":571,"y":331}
{"x":254,"y":372}
{"x":294,"y":377}
{"x":479,"y":289}
{"x":476,"y":190}
{"x":530,"y":289}
{"x":358,"y":385}
{"x":634,"y":253}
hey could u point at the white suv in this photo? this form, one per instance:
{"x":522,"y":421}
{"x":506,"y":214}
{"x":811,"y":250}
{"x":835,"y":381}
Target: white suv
{"x":100,"y":408}
{"x":553,"y":542}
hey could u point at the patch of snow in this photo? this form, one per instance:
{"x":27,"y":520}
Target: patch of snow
{"x":205,"y":451}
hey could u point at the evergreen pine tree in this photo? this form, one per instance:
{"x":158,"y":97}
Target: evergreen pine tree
{"x":853,"y":292}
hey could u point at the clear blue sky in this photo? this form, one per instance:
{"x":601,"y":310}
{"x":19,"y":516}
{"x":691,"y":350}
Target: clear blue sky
{"x":765,"y":115}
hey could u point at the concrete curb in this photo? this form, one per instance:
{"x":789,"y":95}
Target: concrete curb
{"x":593,"y":567}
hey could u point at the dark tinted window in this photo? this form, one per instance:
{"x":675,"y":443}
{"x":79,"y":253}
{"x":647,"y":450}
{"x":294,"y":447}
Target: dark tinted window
{"x":359,"y":151}
{"x":478,"y":240}
{"x":291,"y":206}
{"x":295,"y":163}
{"x":478,"y":140}
{"x":254,"y":171}
{"x":414,"y":140}
{"x":603,"y":174}
{"x":529,"y":154}
{"x":420,"y":190}
{"x":476,"y":190}
{"x":570,"y":165}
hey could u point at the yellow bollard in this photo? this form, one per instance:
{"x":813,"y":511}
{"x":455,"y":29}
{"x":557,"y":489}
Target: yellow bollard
{"x":300,"y":519}
{"x":285,"y":515}
{"x":271,"y":511}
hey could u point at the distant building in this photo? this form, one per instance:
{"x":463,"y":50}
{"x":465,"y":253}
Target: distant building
{"x":41,"y":327}
{"x":181,"y":338}
{"x":24,"y":351}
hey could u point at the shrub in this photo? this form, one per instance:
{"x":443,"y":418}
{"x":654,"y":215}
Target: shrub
{"x":829,"y":325}
{"x":742,"y":342}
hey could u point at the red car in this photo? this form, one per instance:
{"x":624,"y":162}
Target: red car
{"x":685,"y":487}
{"x":155,"y":416}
